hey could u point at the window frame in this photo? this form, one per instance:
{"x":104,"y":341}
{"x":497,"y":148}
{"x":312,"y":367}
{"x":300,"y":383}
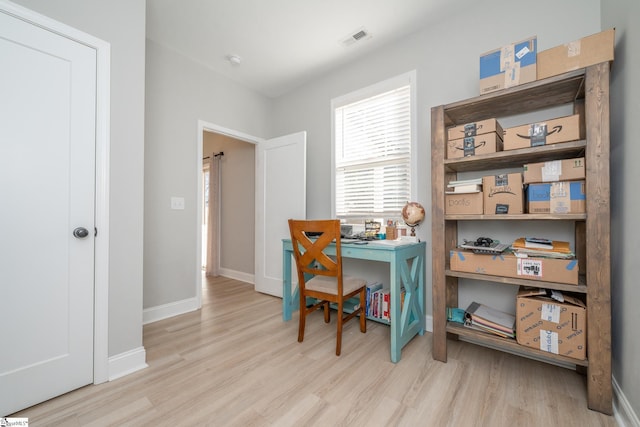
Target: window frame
{"x":408,"y":78}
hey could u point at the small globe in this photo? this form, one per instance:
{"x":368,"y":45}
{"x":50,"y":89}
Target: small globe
{"x":413,"y":215}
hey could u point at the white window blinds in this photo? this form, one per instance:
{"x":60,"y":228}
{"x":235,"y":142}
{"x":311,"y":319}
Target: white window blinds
{"x":373,"y":155}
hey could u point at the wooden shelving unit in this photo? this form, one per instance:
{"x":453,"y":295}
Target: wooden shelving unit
{"x":587,"y":90}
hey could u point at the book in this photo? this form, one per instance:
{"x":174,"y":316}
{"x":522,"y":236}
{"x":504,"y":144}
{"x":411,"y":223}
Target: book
{"x":370,"y":289}
{"x":490,"y":320}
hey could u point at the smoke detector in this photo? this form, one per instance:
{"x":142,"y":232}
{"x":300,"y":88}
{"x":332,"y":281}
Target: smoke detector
{"x":359,"y":35}
{"x":234,"y":59}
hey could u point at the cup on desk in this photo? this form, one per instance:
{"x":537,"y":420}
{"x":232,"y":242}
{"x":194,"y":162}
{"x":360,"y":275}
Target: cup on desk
{"x":392,"y":233}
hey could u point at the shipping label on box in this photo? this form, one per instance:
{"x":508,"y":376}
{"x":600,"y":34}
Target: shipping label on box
{"x":561,"y":197}
{"x":473,"y":129}
{"x":581,"y":53}
{"x":508,"y":66}
{"x":557,"y":326}
{"x":474,"y":145}
{"x":555,"y":170}
{"x":508,"y":265}
{"x":464,"y":203}
{"x":503,"y":194}
{"x":554,"y":131}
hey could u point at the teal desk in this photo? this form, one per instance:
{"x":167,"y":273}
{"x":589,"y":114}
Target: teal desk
{"x":406,"y":265}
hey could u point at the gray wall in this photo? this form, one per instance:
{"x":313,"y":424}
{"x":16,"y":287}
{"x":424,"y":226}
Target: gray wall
{"x":179,"y":92}
{"x":624,"y":15}
{"x":122,"y":24}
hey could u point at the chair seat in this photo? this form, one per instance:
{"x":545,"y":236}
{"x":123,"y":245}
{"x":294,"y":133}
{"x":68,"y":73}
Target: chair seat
{"x":329,"y":284}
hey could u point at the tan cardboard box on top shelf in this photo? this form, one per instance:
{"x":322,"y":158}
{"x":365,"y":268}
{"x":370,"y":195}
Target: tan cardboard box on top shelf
{"x":581,"y":53}
{"x":508,"y":66}
{"x":553,"y":131}
{"x":472,"y":139}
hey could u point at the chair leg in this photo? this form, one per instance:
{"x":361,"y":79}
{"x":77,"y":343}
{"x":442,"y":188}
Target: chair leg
{"x":303,"y":316}
{"x":339,"y":333}
{"x":363,"y":314}
{"x":327,"y":317}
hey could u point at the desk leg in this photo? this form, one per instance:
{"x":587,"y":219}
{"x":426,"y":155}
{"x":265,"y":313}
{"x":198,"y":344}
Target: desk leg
{"x":290,"y":300}
{"x":406,"y":321}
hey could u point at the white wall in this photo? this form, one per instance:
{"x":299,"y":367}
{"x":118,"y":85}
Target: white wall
{"x":122,"y":24}
{"x":179,"y":92}
{"x":624,"y":15}
{"x":446,"y":56}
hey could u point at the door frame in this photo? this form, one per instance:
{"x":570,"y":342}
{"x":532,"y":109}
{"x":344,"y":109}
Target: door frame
{"x":103,"y":102}
{"x":204,"y":126}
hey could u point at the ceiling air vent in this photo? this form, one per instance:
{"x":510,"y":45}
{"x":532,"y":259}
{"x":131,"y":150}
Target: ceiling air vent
{"x":358,"y":35}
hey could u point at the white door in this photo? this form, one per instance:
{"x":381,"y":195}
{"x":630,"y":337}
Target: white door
{"x":47,"y":185}
{"x":280,"y":194}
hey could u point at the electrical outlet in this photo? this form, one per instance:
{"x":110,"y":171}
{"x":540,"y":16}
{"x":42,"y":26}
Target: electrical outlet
{"x":177,"y":203}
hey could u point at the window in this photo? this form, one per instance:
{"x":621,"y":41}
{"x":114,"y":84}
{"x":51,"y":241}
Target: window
{"x":373,"y":138}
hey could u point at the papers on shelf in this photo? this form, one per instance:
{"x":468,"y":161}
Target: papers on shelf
{"x":488,"y":319}
{"x":465,"y":186}
{"x":537,"y":248}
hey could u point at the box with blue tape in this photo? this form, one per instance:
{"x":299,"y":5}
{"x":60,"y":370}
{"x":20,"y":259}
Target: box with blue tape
{"x":508,"y":66}
{"x":509,"y":265}
{"x":562,"y":197}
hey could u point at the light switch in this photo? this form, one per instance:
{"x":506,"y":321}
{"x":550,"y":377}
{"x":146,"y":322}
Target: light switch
{"x":177,"y":203}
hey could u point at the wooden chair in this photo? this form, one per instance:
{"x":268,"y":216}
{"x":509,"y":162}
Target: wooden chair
{"x":320,"y":276}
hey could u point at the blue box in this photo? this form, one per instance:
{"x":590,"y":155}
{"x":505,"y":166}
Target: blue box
{"x":557,"y":197}
{"x":508,"y":66}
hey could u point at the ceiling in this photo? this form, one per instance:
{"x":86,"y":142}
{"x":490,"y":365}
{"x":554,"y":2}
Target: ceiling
{"x":283,"y":44}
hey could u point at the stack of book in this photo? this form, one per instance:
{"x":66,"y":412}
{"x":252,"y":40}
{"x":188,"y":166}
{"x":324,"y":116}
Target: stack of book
{"x":464,"y":186}
{"x":542,"y":248}
{"x":488,"y":319}
{"x":379,"y":301}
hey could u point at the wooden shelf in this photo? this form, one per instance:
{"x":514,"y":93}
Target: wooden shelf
{"x":510,"y":345}
{"x":509,"y":158}
{"x":587,"y":91}
{"x":517,"y":217}
{"x":534,"y":96}
{"x":579,"y":288}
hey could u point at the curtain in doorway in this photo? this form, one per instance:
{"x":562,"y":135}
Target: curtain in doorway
{"x":213,"y":220}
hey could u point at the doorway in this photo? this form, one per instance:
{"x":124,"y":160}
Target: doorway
{"x":229,"y":172}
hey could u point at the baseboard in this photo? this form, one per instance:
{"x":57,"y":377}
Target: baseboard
{"x":127,"y":363}
{"x":237,"y":275}
{"x":153,"y":314}
{"x":428,"y":322}
{"x":622,"y":410}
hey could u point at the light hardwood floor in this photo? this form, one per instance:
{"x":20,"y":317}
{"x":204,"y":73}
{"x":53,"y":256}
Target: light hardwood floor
{"x":236,"y":363}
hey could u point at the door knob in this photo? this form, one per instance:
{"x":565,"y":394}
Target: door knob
{"x":80,"y":232}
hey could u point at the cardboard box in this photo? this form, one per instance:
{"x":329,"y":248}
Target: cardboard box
{"x":590,"y":50}
{"x":465,"y":203}
{"x":508,"y":265}
{"x":554,"y":131}
{"x":503,"y":194}
{"x":555,"y":170}
{"x":557,"y":197}
{"x":508,"y":66}
{"x":474,"y":145}
{"x":473,"y":129}
{"x":549,"y":325}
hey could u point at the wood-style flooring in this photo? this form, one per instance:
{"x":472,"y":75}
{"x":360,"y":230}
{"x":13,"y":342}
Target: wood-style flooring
{"x":236,"y":363}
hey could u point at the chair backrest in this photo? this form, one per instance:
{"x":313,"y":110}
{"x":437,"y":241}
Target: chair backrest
{"x":309,"y":252}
